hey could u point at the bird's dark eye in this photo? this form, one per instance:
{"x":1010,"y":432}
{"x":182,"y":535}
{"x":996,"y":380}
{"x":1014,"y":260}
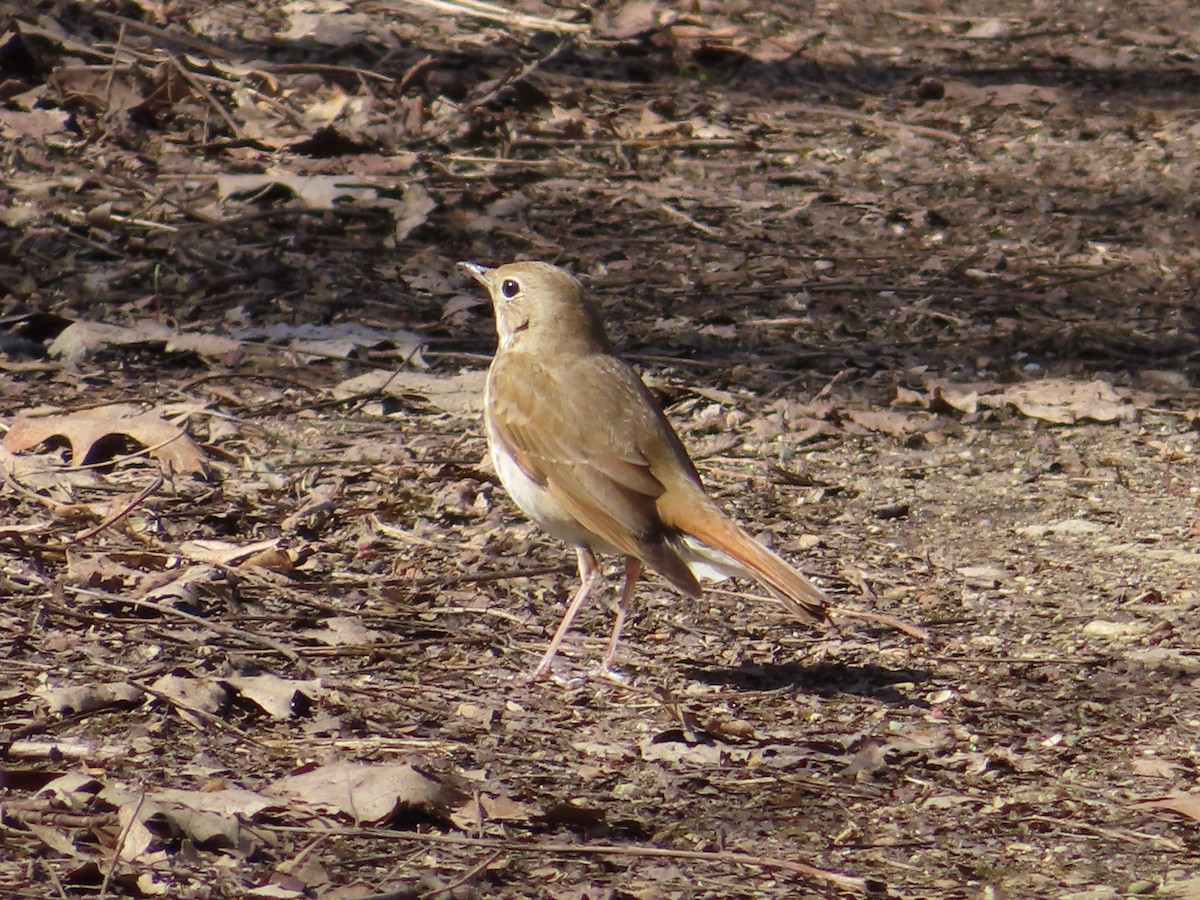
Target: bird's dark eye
{"x":510,"y":288}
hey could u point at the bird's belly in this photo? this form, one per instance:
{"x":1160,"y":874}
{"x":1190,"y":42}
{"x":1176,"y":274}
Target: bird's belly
{"x":538,"y":503}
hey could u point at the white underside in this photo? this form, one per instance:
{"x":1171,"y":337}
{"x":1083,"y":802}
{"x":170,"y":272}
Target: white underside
{"x":536,"y":502}
{"x":708,"y":563}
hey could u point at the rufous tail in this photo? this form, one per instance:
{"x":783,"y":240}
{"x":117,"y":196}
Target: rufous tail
{"x":708,"y":525}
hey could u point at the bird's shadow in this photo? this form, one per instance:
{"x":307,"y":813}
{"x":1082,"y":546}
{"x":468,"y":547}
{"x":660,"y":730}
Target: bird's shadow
{"x":824,"y":680}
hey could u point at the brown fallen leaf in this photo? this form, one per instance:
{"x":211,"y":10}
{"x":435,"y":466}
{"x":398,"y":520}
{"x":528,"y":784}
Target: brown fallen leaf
{"x":460,"y":393}
{"x":1063,"y":401}
{"x":1179,"y":802}
{"x":484,"y":808}
{"x":225,"y":553}
{"x":211,"y":819}
{"x":343,"y":631}
{"x":893,"y":423}
{"x":86,"y":429}
{"x":368,"y":794}
{"x":82,"y":338}
{"x":187,"y":693}
{"x":90,"y":697}
{"x":280,"y":698}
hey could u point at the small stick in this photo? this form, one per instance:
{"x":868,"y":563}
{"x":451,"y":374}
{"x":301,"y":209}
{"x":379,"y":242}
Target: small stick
{"x":195,"y":85}
{"x":120,"y":844}
{"x":216,"y":627}
{"x":114,"y":518}
{"x":849,"y":882}
{"x":916,"y":631}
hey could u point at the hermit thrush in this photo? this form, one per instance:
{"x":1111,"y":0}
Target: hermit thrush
{"x":585,"y":451}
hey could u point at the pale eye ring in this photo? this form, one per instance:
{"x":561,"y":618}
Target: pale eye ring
{"x":510,"y":288}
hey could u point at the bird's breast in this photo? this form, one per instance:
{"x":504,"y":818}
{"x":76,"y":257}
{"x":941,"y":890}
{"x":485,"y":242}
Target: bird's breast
{"x":536,"y":501}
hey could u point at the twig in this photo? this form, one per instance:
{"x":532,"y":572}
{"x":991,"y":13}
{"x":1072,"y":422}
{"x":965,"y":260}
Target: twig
{"x":519,"y":74}
{"x":216,"y":627}
{"x":466,"y":876}
{"x":849,"y":882}
{"x":948,"y":137}
{"x":495,"y":13}
{"x":485,"y":577}
{"x":195,"y":85}
{"x":663,"y":143}
{"x":114,"y":518}
{"x":120,"y":844}
{"x":505,"y":84}
{"x":162,"y":34}
{"x":916,"y":631}
{"x":1121,"y":834}
{"x":58,"y":885}
{"x":688,"y":220}
{"x":325,"y":69}
{"x":208,"y":717}
{"x":65,"y":750}
{"x":112,"y":68}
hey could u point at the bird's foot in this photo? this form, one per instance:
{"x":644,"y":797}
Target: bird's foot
{"x":607,"y":672}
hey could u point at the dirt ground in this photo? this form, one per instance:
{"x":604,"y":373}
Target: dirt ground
{"x":916,"y":283}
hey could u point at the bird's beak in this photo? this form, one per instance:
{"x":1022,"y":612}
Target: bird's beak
{"x":478,"y":272}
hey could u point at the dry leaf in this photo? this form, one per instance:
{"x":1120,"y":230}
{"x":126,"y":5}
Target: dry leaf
{"x":343,"y":631}
{"x":201,"y":694}
{"x":280,"y":698}
{"x":368,"y":794}
{"x":486,"y":808}
{"x":85,"y":429}
{"x":1065,"y":402}
{"x":315,"y":191}
{"x":1179,"y":802}
{"x":461,"y":393}
{"x":414,"y":211}
{"x":224,"y":553}
{"x":340,"y":340}
{"x":90,"y":697}
{"x":893,"y":423}
{"x":211,"y":819}
{"x":82,"y":338}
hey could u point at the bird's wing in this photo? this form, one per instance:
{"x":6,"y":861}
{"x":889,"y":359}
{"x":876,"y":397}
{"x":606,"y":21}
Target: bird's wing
{"x":587,"y":429}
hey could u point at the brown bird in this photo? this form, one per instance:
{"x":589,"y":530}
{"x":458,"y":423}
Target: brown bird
{"x":585,"y":451}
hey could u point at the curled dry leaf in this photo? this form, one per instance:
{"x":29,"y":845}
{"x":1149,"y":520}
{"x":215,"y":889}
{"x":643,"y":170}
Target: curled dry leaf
{"x":486,"y":808}
{"x":90,"y":697}
{"x":1179,"y":802}
{"x":368,"y":794}
{"x":86,"y":429}
{"x":225,"y":553}
{"x":1064,"y":401}
{"x":188,"y":693}
{"x":339,"y":340}
{"x":280,"y":698}
{"x":343,"y":631}
{"x":314,"y":191}
{"x":460,"y":393}
{"x":211,"y":819}
{"x":82,"y":338}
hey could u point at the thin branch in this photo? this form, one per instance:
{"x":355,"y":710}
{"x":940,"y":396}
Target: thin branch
{"x":724,"y":857}
{"x":216,"y":627}
{"x":120,"y":844}
{"x":195,"y":85}
{"x":114,"y":518}
{"x":493,"y":12}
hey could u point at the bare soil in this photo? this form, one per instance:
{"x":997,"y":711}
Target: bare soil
{"x":918,"y":287}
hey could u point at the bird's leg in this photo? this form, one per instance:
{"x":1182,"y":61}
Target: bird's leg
{"x":589,"y":574}
{"x":633,"y":568}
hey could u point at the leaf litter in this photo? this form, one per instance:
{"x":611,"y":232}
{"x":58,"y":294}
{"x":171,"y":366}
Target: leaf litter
{"x":923,"y":307}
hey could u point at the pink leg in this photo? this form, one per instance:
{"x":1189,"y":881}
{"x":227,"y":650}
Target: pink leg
{"x":589,"y":574}
{"x":633,"y":568}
